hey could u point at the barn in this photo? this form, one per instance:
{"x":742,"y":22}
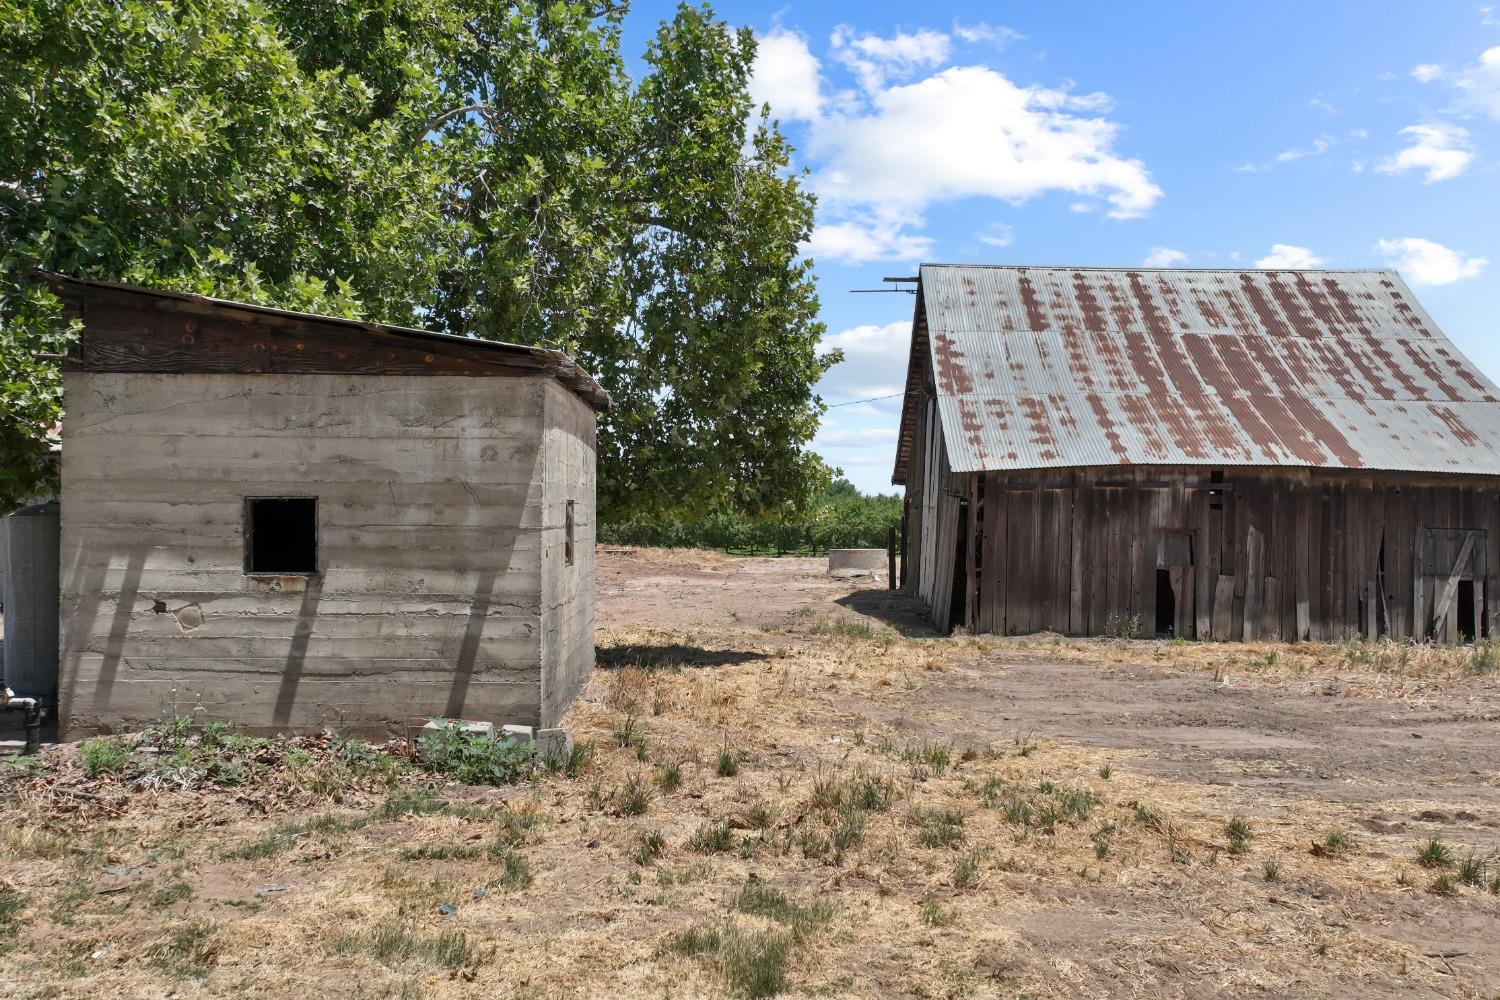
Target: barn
{"x":1209,"y":454}
{"x":293,"y":522}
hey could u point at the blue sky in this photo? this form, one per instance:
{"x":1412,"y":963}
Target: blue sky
{"x":1176,"y":134}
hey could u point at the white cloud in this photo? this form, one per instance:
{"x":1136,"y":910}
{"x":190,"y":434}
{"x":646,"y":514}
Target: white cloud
{"x":1320,"y":146}
{"x":1429,"y":263}
{"x":1481,"y":83}
{"x":885,"y":151}
{"x":872,"y":236}
{"x":997,"y":234}
{"x":975,"y":34}
{"x":1426,"y":72}
{"x":787,"y":77}
{"x":1164,"y":257}
{"x":874,"y":362}
{"x":1439,"y":149}
{"x":854,"y":436}
{"x":969,"y":131}
{"x":1285,"y":257}
{"x":874,"y":59}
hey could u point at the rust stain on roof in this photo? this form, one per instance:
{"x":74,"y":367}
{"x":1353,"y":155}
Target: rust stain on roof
{"x":1461,"y":433}
{"x":1056,"y":367}
{"x":948,"y":361}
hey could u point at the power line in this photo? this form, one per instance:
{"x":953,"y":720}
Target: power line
{"x":872,"y":399}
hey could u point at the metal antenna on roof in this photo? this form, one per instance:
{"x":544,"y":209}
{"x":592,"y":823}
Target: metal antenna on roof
{"x":881,"y":291}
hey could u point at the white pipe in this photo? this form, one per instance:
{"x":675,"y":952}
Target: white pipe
{"x":11,"y":701}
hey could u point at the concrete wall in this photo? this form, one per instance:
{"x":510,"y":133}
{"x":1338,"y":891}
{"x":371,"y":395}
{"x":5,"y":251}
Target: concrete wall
{"x":567,"y":590}
{"x":431,"y":548}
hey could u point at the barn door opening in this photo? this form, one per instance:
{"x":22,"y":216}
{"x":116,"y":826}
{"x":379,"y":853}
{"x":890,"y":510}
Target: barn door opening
{"x":1174,"y":586}
{"x":1449,"y":598}
{"x":958,"y":598}
{"x":1466,"y":632}
{"x":1166,"y":605}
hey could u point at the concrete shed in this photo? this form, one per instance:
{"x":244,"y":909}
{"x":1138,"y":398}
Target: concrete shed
{"x":292,"y":522}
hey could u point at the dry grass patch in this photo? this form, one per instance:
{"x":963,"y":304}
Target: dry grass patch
{"x":773,"y":823}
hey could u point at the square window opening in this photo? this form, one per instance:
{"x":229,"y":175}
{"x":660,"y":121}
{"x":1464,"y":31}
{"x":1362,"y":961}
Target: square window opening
{"x":281,"y":536}
{"x":568,"y":535}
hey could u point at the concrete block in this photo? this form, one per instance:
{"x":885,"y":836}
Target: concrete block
{"x":554,"y":744}
{"x":865,"y":559}
{"x":521,"y":734}
{"x":485,"y":729}
{"x":855,"y":574}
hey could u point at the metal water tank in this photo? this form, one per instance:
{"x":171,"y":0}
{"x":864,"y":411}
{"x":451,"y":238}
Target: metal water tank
{"x":31,"y":600}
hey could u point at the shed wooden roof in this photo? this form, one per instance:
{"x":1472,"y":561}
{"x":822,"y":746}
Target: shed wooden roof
{"x":133,"y":328}
{"x":1049,"y":367}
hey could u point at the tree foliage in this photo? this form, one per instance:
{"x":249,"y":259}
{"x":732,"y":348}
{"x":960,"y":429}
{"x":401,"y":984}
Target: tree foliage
{"x":838,"y":517}
{"x":479,"y":168}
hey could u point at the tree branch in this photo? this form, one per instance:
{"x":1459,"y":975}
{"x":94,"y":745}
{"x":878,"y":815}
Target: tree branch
{"x":448,"y":116}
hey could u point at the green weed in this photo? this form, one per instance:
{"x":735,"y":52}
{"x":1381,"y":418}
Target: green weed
{"x":474,"y":759}
{"x":968,"y":869}
{"x":1237,"y":830}
{"x":753,"y":962}
{"x":634,"y":797}
{"x":190,"y":951}
{"x":938,"y":827}
{"x":650,"y":846}
{"x":104,"y":755}
{"x":1435,"y":854}
{"x":762,"y":900}
{"x":712,"y":838}
{"x":395,"y":943}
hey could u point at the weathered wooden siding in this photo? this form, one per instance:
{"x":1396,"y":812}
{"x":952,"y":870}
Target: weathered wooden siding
{"x":935,"y":498}
{"x":567,"y":590}
{"x":1287,"y":553}
{"x":430,"y":507}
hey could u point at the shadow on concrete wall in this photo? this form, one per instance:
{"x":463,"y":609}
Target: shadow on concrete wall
{"x":468,"y":652}
{"x":291,"y":675}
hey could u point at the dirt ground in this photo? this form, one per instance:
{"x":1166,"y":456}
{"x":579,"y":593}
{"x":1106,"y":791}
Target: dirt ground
{"x":796,"y":789}
{"x":1403,"y":763}
{"x":1312,"y":735}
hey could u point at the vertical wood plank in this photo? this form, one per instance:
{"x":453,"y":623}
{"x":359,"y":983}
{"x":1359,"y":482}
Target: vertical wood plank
{"x":1076,"y":623}
{"x":1223,"y":608}
{"x":1254,"y":570}
{"x":1270,"y":627}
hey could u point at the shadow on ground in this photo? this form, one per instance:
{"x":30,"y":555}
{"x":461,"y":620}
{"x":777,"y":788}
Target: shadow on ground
{"x":901,"y":612}
{"x":669,"y":657}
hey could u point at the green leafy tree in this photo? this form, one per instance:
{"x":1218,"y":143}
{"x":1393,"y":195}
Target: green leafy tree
{"x":181,"y":145}
{"x":838,"y":516}
{"x":650,"y":229}
{"x":487,"y":169}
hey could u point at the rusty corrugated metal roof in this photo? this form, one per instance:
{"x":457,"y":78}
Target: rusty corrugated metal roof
{"x":1046,"y":367}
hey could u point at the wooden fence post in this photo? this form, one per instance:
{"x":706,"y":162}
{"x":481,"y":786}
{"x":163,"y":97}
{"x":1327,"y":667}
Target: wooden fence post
{"x":890,"y":549}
